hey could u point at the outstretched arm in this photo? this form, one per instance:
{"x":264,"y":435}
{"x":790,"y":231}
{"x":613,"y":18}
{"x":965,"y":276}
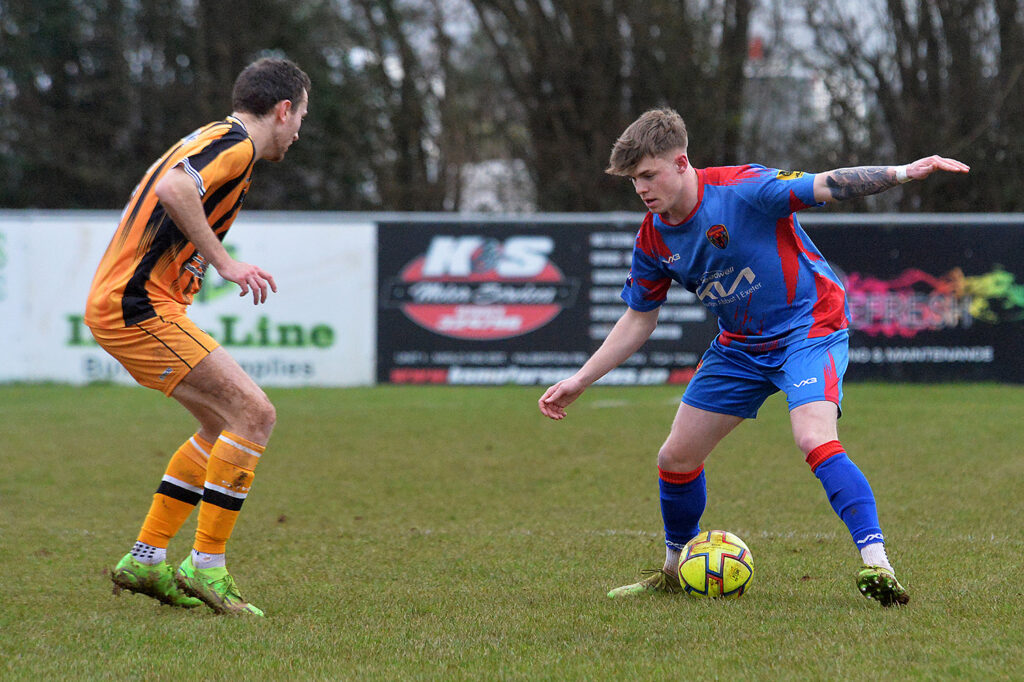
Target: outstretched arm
{"x":625,"y":338}
{"x":848,"y":183}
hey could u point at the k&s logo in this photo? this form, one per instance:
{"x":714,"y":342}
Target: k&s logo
{"x":482,"y":288}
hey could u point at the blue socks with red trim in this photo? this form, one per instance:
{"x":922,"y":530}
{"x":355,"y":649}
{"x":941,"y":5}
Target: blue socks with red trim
{"x":683,"y":498}
{"x":848,"y":492}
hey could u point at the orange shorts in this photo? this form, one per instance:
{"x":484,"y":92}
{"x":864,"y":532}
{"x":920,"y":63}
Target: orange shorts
{"x":157,"y":352}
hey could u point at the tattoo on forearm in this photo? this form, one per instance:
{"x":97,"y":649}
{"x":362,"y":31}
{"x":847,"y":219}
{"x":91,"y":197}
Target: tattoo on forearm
{"x":848,"y":183}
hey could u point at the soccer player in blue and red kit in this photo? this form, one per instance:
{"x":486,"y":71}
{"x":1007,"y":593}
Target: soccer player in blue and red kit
{"x":730,"y":236}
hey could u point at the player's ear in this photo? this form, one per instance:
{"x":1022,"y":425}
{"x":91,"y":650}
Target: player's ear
{"x":682,"y":162}
{"x":282,"y":108}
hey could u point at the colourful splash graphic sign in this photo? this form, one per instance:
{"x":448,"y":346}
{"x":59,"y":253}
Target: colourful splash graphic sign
{"x":916,"y":301}
{"x":938,"y":300}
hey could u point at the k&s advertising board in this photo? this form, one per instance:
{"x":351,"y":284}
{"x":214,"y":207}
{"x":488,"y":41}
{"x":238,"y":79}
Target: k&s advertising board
{"x":517,"y":303}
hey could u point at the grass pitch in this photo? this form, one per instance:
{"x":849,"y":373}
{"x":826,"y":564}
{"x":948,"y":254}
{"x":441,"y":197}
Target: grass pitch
{"x":454,"y":533}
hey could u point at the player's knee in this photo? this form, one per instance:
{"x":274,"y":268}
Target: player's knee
{"x":211,"y":426}
{"x":807,"y":442}
{"x":265,"y":413}
{"x":258,"y":415}
{"x":673,"y":457}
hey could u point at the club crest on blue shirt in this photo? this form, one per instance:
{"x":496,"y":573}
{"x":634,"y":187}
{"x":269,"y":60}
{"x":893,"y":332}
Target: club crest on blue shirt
{"x":718,"y":236}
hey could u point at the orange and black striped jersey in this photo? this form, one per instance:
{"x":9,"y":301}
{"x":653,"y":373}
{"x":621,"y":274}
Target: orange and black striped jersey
{"x":150,"y":268}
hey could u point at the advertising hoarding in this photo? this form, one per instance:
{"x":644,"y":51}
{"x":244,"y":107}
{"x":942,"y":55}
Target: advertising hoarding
{"x":518,"y":303}
{"x":933,"y":300}
{"x":527,"y":302}
{"x":317,"y":330}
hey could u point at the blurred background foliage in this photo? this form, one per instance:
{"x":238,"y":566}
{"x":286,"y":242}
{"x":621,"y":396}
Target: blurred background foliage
{"x":513,"y":105}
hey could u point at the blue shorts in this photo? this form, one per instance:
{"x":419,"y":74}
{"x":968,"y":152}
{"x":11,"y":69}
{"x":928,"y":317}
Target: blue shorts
{"x":730,"y":381}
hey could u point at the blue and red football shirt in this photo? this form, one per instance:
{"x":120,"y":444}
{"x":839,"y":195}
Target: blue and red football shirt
{"x":745,"y":256}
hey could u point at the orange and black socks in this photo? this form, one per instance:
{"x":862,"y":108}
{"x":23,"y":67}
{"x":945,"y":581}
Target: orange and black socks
{"x":229,"y":477}
{"x":179,"y":492}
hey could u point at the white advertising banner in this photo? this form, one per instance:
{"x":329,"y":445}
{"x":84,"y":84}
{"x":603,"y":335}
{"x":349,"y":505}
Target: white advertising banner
{"x":319,"y":329}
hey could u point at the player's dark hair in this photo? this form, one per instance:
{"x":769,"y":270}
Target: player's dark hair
{"x":266,"y":82}
{"x":657,"y":131}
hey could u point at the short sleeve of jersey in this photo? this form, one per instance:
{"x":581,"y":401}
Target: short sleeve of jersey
{"x":221,"y":160}
{"x":648,"y":282}
{"x":779,"y":193}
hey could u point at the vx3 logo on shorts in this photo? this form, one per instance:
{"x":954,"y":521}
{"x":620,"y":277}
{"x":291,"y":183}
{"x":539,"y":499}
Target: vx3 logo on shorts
{"x":714,"y":290}
{"x":806,"y":382}
{"x":872,"y":536}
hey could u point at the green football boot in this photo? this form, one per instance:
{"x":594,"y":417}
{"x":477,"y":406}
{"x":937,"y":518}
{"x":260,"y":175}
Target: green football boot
{"x":215,"y":587}
{"x":155,"y":581}
{"x":880,"y":584}
{"x":657,"y":580}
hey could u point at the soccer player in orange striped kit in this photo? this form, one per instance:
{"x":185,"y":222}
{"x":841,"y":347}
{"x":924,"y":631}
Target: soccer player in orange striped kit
{"x":170,"y":232}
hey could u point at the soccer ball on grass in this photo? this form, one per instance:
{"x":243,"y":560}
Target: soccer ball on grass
{"x":716,"y":563}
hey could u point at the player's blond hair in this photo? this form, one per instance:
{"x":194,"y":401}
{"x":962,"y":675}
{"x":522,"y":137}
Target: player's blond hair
{"x":657,"y":131}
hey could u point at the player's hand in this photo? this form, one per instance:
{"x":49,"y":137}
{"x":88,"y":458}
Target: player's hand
{"x":249,"y":278}
{"x":922,"y":168}
{"x":554,"y":401}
